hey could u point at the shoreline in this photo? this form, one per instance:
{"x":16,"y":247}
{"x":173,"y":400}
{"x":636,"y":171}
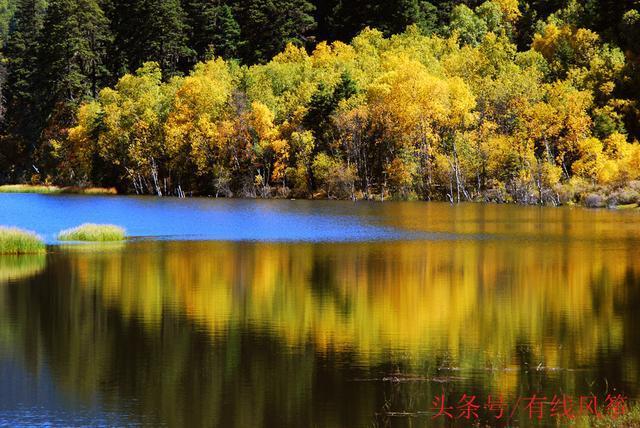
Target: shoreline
{"x":56,"y":190}
{"x":589,"y":201}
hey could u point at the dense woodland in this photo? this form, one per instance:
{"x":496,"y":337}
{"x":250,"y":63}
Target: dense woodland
{"x":504,"y":100}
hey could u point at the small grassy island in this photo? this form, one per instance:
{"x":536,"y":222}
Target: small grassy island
{"x":18,"y":241}
{"x":93,"y":233}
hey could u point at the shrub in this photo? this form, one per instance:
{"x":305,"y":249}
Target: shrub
{"x":624,"y":196}
{"x":594,"y":200}
{"x":93,"y":233}
{"x":334,"y":176}
{"x":17,"y":241}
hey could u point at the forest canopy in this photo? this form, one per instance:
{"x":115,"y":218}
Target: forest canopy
{"x":499,"y":100}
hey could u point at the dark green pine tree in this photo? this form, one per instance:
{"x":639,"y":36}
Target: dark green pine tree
{"x":397,"y":15}
{"x":21,"y":126}
{"x":607,"y":17}
{"x":164,"y":35}
{"x":340,"y":20}
{"x":268,"y":25}
{"x":123,"y":23}
{"x":72,"y":67}
{"x":3,"y":79}
{"x":149,"y":30}
{"x":73,"y":50}
{"x":213,"y":29}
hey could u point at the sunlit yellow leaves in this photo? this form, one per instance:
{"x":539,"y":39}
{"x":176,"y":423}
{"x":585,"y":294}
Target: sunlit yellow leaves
{"x":503,"y":157}
{"x":510,"y":9}
{"x":622,"y":159}
{"x":631,"y":165}
{"x":400,"y":174}
{"x":284,"y":84}
{"x":579,"y":55}
{"x":198,"y":121}
{"x":262,"y":122}
{"x":302,"y":146}
{"x":273,"y":150}
{"x":414,"y":104}
{"x":330,"y":61}
{"x":616,"y":146}
{"x":589,"y":164}
{"x":604,"y":162}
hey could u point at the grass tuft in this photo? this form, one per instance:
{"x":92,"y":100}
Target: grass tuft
{"x":18,"y":241}
{"x":93,"y":233}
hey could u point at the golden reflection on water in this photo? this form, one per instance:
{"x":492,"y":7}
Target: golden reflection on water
{"x":475,"y":300}
{"x":512,"y":221}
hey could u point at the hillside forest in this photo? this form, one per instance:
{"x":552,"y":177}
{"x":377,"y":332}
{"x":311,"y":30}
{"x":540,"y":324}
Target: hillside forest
{"x":532,"y":102}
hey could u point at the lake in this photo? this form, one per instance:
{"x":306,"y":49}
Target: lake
{"x":314,"y":313}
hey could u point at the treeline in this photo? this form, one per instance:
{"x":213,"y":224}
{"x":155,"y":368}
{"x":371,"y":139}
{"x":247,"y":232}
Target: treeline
{"x":502,"y":100}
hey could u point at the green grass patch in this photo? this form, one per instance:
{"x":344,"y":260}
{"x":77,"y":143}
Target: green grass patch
{"x":54,"y":190}
{"x":93,"y":233}
{"x":18,"y":241}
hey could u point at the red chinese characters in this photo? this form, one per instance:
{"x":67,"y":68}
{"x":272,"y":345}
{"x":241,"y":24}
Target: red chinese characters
{"x":536,"y":406}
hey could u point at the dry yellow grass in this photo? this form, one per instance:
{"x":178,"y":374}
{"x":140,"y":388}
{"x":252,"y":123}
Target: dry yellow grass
{"x":30,"y":188}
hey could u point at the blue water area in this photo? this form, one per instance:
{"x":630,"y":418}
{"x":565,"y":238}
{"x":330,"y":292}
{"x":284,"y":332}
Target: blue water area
{"x":31,"y":398}
{"x":195,"y":219}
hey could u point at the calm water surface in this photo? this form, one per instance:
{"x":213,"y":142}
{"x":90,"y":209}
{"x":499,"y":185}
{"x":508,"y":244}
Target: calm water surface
{"x":296,"y":314}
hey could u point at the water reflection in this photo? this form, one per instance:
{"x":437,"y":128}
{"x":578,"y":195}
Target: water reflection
{"x":16,"y":267}
{"x":276,"y":334}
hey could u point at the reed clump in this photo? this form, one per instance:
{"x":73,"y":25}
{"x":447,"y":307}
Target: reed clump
{"x":18,"y":241}
{"x":89,"y":232}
